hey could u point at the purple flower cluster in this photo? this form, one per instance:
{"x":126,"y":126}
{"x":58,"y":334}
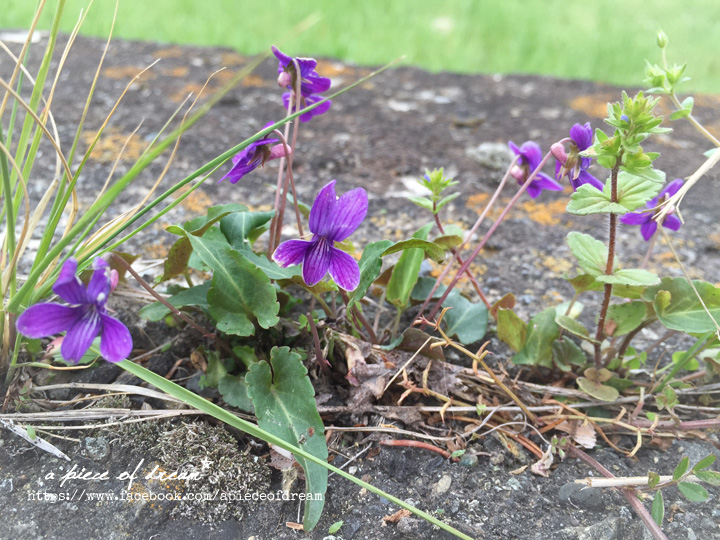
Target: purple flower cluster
{"x":311,"y":84}
{"x":84,"y":318}
{"x":332,"y":219}
{"x":648,"y":225}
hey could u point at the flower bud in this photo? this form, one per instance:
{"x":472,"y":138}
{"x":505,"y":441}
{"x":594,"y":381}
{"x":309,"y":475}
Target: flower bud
{"x":558,"y":152}
{"x":662,"y":40}
{"x":285,"y":80}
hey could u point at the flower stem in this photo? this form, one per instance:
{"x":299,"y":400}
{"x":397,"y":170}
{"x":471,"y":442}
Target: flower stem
{"x":487,"y":236}
{"x":648,"y":253}
{"x":360,"y":317}
{"x":477,"y":224}
{"x":609,"y":267}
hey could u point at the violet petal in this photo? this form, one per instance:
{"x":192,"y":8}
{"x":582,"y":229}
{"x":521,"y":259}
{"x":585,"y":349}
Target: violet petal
{"x":344,"y":270}
{"x":115,"y":339}
{"x":291,"y":252}
{"x":648,"y":229}
{"x":323,"y":211}
{"x":317,"y":261}
{"x":43,"y":320}
{"x":80,"y":336}
{"x":672,"y":222}
{"x":350,"y":211}
{"x":68,"y":285}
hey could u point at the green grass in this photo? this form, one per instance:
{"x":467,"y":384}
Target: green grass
{"x":606,"y":40}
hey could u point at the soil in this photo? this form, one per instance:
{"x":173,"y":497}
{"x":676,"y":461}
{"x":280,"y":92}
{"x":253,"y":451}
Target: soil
{"x":380,"y":136}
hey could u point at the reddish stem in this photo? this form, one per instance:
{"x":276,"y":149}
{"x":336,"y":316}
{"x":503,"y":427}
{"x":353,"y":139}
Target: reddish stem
{"x":487,"y":236}
{"x":417,"y":444}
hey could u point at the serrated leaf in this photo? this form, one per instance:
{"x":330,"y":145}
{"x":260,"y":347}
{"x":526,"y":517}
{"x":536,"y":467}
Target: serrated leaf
{"x":591,"y":254}
{"x":630,"y":276}
{"x":657,"y":510}
{"x":693,"y":492}
{"x":542,"y":331}
{"x":370,"y":266}
{"x":234,"y":391}
{"x":710,"y":477}
{"x":284,"y":401}
{"x":704,"y":463}
{"x":678,"y":308}
{"x":240,"y":292}
{"x":194,"y":296}
{"x":587,"y":199}
{"x":627,"y":316}
{"x":597,"y":390}
{"x":511,"y":329}
{"x":431,"y":249}
{"x":681,"y":468}
{"x":406,"y":272}
{"x":466,"y":321}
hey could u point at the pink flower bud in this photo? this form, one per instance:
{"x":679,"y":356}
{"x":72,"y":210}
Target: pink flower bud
{"x":284,"y":80}
{"x":558,"y":152}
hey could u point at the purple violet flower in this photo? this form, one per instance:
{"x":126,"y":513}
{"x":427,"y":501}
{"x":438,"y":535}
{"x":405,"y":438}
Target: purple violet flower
{"x":648,"y":225}
{"x":573,"y":165}
{"x":310,"y":81}
{"x":84,"y":318}
{"x":332,"y":219}
{"x":311,"y":84}
{"x":530,"y":157}
{"x":253,"y":156}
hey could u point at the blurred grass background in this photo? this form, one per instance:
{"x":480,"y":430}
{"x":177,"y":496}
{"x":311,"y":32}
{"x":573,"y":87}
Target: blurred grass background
{"x":606,"y":40}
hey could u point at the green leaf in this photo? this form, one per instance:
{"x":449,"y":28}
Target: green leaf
{"x":448,"y":241}
{"x":584,"y":282}
{"x":587,"y":199}
{"x":678,"y":308}
{"x":682,"y":113}
{"x":710,"y":477}
{"x":591,"y":253}
{"x":234,"y":391}
{"x":465,"y":320}
{"x":681,"y":468}
{"x":406,"y":271}
{"x":597,"y":390}
{"x":215,"y":371}
{"x":630,"y":276}
{"x":423,"y":287}
{"x":238,"y":227}
{"x":511,"y":329}
{"x":194,"y":296}
{"x":634,"y":191}
{"x":432,"y":250}
{"x":370,"y":266}
{"x":574,"y":327}
{"x":445,"y":200}
{"x":627,"y":317}
{"x":693,"y":492}
{"x":542,"y":331}
{"x":240,"y":292}
{"x":284,"y":401}
{"x":704,"y":463}
{"x":657,"y":510}
{"x":270,"y":268}
{"x":653,"y":479}
{"x":423,"y":202}
{"x":31,"y":433}
{"x":179,"y":255}
{"x":566,"y":352}
{"x":335,"y":527}
{"x":680,"y":357}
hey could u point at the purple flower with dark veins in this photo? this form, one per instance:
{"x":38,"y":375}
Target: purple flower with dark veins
{"x":530,"y":157}
{"x":311,"y":84}
{"x":332,"y":219}
{"x":253,"y":156}
{"x":84,"y":318}
{"x":572,"y":164}
{"x":648,"y":225}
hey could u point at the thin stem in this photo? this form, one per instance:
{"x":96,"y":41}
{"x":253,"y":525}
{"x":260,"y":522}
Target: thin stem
{"x":487,"y":236}
{"x":360,"y":317}
{"x":292,"y":184}
{"x":609,"y":266}
{"x":457,"y":257}
{"x":321,"y":360}
{"x":175,"y":311}
{"x":474,"y":228}
{"x":629,"y":494}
